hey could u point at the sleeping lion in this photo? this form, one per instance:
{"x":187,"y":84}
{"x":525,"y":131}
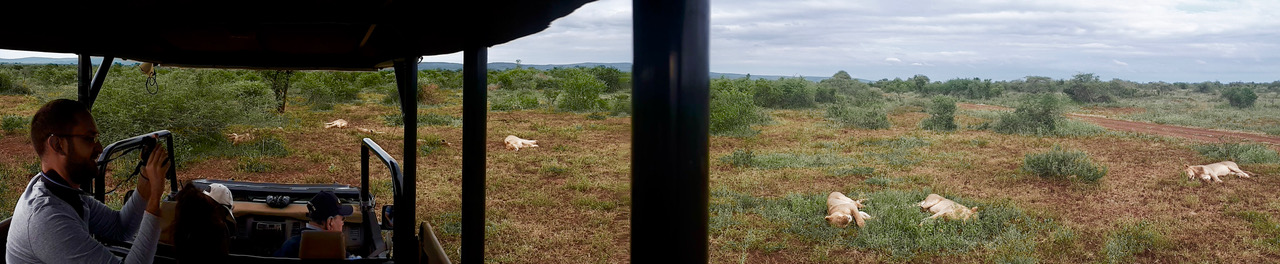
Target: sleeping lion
{"x":941,"y":206}
{"x":1212,"y":171}
{"x":841,"y":210}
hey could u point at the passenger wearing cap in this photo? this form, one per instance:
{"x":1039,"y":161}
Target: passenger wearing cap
{"x":326,"y":213}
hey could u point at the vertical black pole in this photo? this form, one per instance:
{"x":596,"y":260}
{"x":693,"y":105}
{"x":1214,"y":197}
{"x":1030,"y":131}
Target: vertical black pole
{"x":475,"y":106}
{"x":83,"y":69}
{"x":670,"y":131}
{"x":405,"y":242}
{"x":365,"y":197}
{"x":98,"y":78}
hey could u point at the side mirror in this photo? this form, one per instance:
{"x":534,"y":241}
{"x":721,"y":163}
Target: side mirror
{"x":388,"y":222}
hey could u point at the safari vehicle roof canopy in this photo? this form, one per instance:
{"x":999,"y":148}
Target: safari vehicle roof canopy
{"x":277,"y":34}
{"x":669,"y":150}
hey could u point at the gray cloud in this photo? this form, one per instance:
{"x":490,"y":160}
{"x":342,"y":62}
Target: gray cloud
{"x":1140,"y":40}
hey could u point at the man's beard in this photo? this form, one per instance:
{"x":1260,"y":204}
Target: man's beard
{"x":82,"y":172}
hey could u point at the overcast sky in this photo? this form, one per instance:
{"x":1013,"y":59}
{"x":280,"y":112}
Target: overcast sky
{"x":1139,"y":40}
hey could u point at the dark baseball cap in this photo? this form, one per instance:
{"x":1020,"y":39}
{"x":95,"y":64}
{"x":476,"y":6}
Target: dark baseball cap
{"x":324,"y":205}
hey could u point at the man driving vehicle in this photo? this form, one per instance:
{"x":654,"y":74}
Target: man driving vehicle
{"x":54,"y":221}
{"x":326,"y":212}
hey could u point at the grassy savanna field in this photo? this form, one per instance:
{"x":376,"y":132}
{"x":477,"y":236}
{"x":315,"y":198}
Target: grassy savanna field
{"x":568,"y":200}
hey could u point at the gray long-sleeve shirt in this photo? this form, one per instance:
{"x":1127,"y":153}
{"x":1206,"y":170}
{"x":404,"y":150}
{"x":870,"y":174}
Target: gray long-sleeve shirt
{"x":46,"y":229}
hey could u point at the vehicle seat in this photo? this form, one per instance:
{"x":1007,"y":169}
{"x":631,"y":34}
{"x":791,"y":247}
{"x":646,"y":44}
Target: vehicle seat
{"x":318,"y":244}
{"x":4,"y":236}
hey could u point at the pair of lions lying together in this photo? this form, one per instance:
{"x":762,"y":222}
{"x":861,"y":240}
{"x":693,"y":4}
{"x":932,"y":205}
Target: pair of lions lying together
{"x":841,"y":210}
{"x":1212,"y":171}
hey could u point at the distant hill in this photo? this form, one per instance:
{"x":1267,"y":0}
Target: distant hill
{"x":38,"y":60}
{"x":624,"y":66}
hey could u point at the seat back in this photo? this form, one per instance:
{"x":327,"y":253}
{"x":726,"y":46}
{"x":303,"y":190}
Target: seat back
{"x":318,"y":244}
{"x":4,"y":236}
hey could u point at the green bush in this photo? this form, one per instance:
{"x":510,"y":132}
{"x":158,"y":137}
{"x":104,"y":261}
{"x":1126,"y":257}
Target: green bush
{"x":1086,"y":88}
{"x":1040,"y":115}
{"x":10,"y":85}
{"x":1064,"y":165}
{"x":732,"y":111}
{"x":786,"y":93}
{"x":1240,"y":97}
{"x":942,"y":115}
{"x":521,"y":100}
{"x":858,"y":117}
{"x":1132,"y":239}
{"x":446,"y":79}
{"x":1243,"y":153}
{"x":520,"y":78}
{"x":323,"y":89}
{"x":12,"y":124}
{"x":196,"y":105}
{"x":581,"y":93}
{"x":620,"y":105}
{"x":615,"y":80}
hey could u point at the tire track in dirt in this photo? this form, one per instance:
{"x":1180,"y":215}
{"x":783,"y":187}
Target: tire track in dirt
{"x":1198,"y":134}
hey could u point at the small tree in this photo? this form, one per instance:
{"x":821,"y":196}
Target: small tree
{"x":1240,"y":97}
{"x":279,"y":82}
{"x":941,"y":114}
{"x":1039,"y":115}
{"x":581,"y":92}
{"x":1086,"y":88}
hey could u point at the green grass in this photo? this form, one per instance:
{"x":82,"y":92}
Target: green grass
{"x":901,"y":152}
{"x":905,"y":142}
{"x":853,"y":171}
{"x":431,"y":144}
{"x":1131,"y":239}
{"x":1187,"y":108}
{"x":1265,"y":227}
{"x":896,"y":228}
{"x":252,"y":164}
{"x":750,"y":159}
{"x":1243,"y":153}
{"x":428,"y":119}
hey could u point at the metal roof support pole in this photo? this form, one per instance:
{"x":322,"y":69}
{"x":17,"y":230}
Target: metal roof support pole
{"x":83,"y":69}
{"x":98,"y":78}
{"x":475,"y":107}
{"x":88,"y":87}
{"x":405,"y":242}
{"x":670,"y":131}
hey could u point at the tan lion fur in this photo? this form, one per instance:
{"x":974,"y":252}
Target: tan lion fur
{"x":515,"y":143}
{"x":946,"y":208}
{"x":841,"y":210}
{"x":1211,"y":172}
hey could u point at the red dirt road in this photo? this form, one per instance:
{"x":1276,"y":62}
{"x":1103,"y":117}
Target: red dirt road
{"x":1198,"y":134}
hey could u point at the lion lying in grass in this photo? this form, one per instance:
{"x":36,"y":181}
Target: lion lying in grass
{"x":841,"y":210}
{"x":516,"y":143}
{"x":1212,"y":171}
{"x":941,"y":206}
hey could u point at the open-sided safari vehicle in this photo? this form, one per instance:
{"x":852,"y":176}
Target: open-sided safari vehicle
{"x":266,"y":214}
{"x":669,"y":150}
